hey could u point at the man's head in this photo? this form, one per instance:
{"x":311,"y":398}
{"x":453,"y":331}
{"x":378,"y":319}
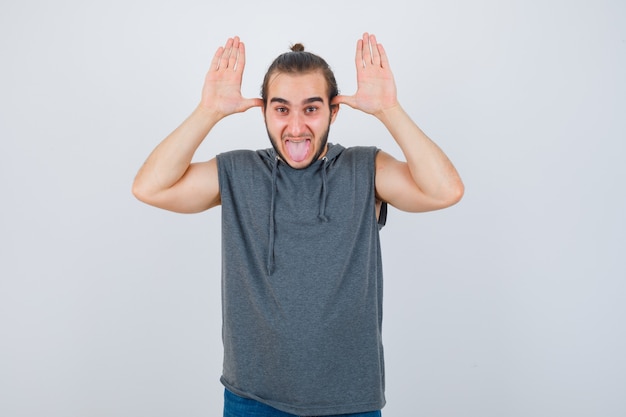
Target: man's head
{"x":297,"y":92}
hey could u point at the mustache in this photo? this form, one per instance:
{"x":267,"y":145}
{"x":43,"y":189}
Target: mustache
{"x":303,"y":136}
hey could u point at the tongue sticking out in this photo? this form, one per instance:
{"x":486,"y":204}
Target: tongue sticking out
{"x":298,"y":150}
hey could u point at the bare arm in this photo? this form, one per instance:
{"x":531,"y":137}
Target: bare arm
{"x":427,"y":180}
{"x":168,"y":179}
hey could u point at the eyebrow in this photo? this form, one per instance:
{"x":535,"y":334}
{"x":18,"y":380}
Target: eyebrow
{"x":306,"y":101}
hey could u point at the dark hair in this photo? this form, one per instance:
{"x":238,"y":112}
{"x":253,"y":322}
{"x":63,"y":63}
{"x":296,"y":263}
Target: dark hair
{"x":297,"y":61}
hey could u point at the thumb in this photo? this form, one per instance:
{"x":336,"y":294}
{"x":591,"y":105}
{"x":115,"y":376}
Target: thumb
{"x":251,"y":102}
{"x":340,"y":99}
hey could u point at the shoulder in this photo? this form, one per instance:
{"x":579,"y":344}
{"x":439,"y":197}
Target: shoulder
{"x":243,"y":154}
{"x":363,"y":150}
{"x":244,"y":159}
{"x":359,"y":155}
{"x":353,"y":151}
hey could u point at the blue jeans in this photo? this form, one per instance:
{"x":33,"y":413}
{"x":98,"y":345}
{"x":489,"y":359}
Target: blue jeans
{"x":236,"y":406}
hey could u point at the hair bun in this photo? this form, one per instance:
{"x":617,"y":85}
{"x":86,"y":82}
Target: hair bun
{"x":298,"y":47}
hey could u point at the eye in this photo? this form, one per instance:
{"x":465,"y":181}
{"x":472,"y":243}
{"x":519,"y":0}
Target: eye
{"x":281,"y":109}
{"x":310,"y":109}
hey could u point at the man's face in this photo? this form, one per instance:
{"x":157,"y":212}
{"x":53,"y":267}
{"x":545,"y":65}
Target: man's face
{"x":298,"y":117}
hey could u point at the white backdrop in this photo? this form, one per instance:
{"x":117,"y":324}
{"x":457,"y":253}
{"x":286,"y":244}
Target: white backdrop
{"x":511,"y":303}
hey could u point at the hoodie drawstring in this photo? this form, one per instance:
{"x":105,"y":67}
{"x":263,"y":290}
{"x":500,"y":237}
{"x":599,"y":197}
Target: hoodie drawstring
{"x":322,"y":215}
{"x":270,"y":252}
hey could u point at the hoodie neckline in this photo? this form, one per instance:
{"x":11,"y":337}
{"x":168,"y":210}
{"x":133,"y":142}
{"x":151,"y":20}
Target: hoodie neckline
{"x":332,"y":152}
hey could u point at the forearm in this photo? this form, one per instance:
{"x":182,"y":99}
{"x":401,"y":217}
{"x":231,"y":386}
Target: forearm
{"x":429,"y":166}
{"x":169,"y":161}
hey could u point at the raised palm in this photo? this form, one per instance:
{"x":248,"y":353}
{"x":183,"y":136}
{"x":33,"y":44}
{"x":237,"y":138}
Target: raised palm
{"x":222,"y":85}
{"x":376,"y":89}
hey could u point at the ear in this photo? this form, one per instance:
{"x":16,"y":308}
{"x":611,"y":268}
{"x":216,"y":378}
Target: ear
{"x":334,"y":109}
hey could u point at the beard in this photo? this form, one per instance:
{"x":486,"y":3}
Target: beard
{"x":322,"y":148}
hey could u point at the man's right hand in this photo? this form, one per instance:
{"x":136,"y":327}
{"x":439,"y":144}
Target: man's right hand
{"x":221,"y":93}
{"x":168,"y":179}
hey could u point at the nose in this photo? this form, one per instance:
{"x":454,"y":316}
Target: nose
{"x":296,"y":125}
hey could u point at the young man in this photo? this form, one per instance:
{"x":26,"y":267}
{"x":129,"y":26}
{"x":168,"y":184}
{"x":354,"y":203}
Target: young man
{"x":302,"y":273}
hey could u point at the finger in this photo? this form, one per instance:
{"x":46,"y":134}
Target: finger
{"x":215,"y":62}
{"x":367,"y":54}
{"x":384,"y":60}
{"x":241,"y":57}
{"x":348,"y":100}
{"x":234,"y":54}
{"x":226,"y":53}
{"x":358,"y":59}
{"x":254,"y":102}
{"x":248,"y":103}
{"x":375,"y":52}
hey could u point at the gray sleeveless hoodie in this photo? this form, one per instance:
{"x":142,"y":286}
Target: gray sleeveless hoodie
{"x":302,"y":281}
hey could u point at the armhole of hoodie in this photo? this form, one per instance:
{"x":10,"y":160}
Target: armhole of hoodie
{"x":382,"y":215}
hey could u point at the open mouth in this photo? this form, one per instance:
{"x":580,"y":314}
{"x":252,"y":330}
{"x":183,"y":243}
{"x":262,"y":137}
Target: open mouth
{"x":298,"y":149}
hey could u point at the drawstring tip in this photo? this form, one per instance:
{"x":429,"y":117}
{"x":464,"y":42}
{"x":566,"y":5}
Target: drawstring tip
{"x":323,"y":218}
